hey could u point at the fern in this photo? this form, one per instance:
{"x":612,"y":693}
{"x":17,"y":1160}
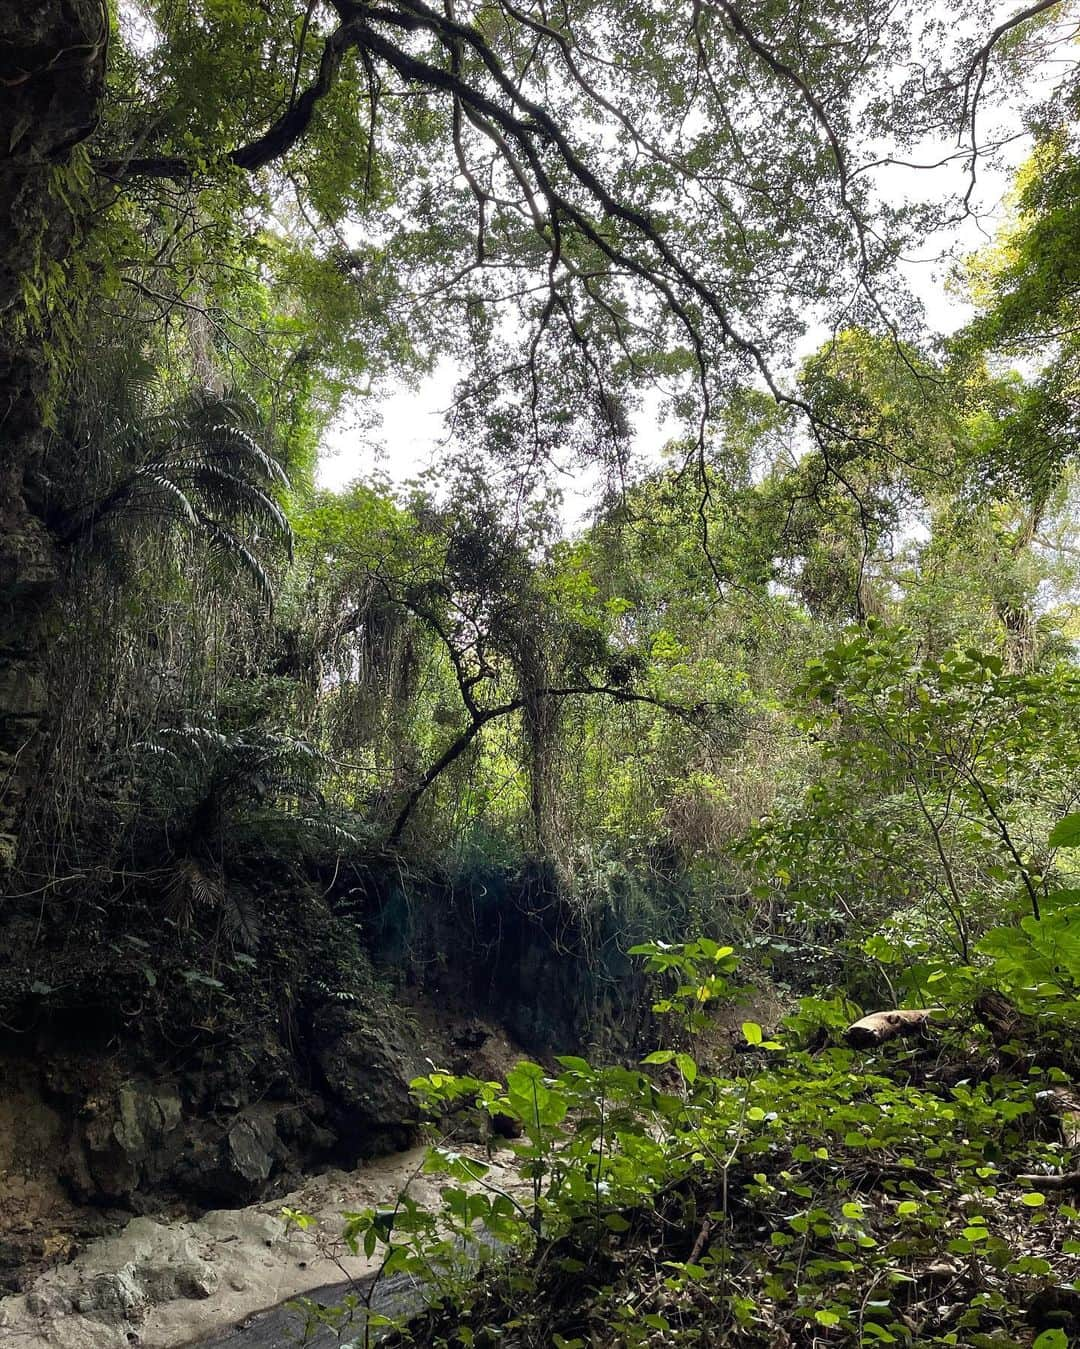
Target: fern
{"x":194,"y":469}
{"x":190,"y":888}
{"x":241,"y":919}
{"x":211,"y":784}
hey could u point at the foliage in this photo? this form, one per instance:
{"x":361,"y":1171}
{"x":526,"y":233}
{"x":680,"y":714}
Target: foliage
{"x":799,"y":1197}
{"x":940,"y":782}
{"x":500,"y":186}
{"x":807,"y":682}
{"x":195,"y":467}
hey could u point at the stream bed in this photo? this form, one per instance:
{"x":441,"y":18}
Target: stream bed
{"x":220,"y":1281}
{"x":283,"y":1326}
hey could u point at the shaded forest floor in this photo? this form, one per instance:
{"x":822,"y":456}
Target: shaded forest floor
{"x":819,"y":1237}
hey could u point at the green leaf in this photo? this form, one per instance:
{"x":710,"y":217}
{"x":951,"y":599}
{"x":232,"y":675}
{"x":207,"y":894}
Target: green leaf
{"x":827,"y":1318}
{"x":872,"y":1333}
{"x":1066,"y":833}
{"x":686,"y":1066}
{"x":752,"y":1031}
{"x":1051,"y":1339}
{"x":1033,"y":1199}
{"x":574,"y":1064}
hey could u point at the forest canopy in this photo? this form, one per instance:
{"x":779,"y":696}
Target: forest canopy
{"x":233,"y":221}
{"x":796,"y":696}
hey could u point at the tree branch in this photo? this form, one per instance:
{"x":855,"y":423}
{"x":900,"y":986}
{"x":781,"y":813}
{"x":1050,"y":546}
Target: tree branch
{"x":278,"y":138}
{"x":482,"y":716}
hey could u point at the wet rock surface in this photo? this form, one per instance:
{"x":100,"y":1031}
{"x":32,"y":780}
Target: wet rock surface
{"x":283,"y":1325}
{"x":218,"y":1281}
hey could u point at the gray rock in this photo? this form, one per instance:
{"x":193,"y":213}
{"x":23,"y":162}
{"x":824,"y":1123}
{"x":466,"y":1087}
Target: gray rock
{"x":191,"y":1278}
{"x":252,"y":1148}
{"x":126,"y":1142}
{"x":115,"y":1296}
{"x":367,"y":1063}
{"x":45,"y":1302}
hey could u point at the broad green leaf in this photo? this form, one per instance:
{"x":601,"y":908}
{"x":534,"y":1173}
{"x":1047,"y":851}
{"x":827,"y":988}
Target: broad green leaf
{"x":687,"y":1067}
{"x":1066,"y":833}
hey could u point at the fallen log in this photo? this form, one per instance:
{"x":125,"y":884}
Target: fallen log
{"x":1024,"y":1040}
{"x":875,"y":1029}
{"x":1069,"y":1181}
{"x":1002,"y":1019}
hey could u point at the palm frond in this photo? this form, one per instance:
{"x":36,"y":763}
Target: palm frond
{"x":238,"y":448}
{"x":233,"y":496}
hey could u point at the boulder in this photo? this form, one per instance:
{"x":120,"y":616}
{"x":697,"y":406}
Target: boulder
{"x":367,"y":1060}
{"x":233,"y":1164}
{"x":124,"y":1142}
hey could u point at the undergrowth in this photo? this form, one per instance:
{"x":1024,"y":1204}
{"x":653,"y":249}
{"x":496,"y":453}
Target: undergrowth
{"x":784,"y":1198}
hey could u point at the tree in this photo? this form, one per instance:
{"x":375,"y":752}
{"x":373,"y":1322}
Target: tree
{"x":52,"y":65}
{"x":941,"y":781}
{"x":664,"y":201}
{"x":1027,"y":288}
{"x":418,"y":629}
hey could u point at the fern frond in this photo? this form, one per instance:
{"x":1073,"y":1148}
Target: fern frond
{"x":200,"y":742}
{"x":242,"y":919}
{"x":195,"y":466}
{"x":189,"y":889}
{"x":230,"y":547}
{"x":153,"y":479}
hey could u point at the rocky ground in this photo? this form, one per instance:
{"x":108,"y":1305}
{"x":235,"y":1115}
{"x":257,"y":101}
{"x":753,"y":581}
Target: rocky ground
{"x":159,"y":1104}
{"x":162,"y":1284}
{"x":114,"y":1229}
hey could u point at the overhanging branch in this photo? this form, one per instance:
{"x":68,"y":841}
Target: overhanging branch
{"x":278,"y":138}
{"x":482,"y":716}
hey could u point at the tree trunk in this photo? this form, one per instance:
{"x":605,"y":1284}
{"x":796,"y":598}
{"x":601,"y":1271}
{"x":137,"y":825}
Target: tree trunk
{"x":52,"y":78}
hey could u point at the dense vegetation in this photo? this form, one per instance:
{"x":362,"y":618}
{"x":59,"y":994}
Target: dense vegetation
{"x":797,"y":699}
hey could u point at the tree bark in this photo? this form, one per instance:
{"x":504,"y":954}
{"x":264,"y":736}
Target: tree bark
{"x":52,"y":80}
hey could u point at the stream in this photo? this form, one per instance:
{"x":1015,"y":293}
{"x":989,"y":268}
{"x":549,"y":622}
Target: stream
{"x":282,"y":1327}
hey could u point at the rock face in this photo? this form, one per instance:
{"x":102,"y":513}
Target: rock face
{"x":515,"y":947}
{"x":139,"y":1141}
{"x":52,"y":71}
{"x":82,"y":1144}
{"x":234,"y":1124}
{"x":365,"y":1070}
